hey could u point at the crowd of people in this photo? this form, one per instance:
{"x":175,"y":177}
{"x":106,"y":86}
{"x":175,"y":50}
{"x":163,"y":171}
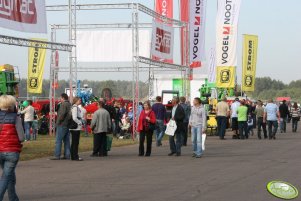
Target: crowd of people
{"x":245,"y":116}
{"x":71,"y":118}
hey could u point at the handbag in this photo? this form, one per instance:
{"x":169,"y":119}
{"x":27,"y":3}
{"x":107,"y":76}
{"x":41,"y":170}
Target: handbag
{"x":171,"y":128}
{"x":148,"y":126}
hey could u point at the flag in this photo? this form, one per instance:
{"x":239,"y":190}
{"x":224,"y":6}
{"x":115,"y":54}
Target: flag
{"x":36,"y":62}
{"x":197,"y":21}
{"x":226,"y":32}
{"x":184,"y":9}
{"x":225,"y":77}
{"x":250,"y":46}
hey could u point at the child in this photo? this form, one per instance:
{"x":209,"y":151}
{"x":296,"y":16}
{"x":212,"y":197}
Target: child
{"x":35,"y":127}
{"x":125,"y":127}
{"x":250,"y":125}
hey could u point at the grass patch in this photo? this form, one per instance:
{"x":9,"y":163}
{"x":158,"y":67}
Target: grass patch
{"x":44,"y":146}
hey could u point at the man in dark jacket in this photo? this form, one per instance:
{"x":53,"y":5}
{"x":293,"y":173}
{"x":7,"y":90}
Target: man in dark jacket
{"x":187,"y":110}
{"x":178,"y":115}
{"x":284,"y":113}
{"x":62,"y":130}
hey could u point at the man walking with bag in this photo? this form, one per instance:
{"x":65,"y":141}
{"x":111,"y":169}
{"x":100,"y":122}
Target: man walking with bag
{"x":198,"y":123}
{"x":178,"y":115}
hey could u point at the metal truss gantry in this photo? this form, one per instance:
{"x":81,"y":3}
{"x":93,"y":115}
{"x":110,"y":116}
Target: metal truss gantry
{"x":135,"y":7}
{"x":10,"y":40}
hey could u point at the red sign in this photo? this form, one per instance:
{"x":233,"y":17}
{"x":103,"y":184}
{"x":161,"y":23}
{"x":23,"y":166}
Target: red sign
{"x":163,"y":41}
{"x":19,"y":11}
{"x":165,"y":8}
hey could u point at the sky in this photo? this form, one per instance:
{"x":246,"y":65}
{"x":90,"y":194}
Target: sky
{"x":276,"y":22}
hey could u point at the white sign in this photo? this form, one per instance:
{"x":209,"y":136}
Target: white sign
{"x":162,"y":41}
{"x":110,"y":46}
{"x":23,"y":15}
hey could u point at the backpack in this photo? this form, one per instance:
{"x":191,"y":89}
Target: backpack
{"x":71,"y":123}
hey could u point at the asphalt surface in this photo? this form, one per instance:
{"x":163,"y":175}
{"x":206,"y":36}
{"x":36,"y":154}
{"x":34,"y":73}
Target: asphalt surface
{"x":229,"y":170}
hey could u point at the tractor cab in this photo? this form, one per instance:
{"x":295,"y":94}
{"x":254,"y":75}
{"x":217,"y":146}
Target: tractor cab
{"x":9,"y":79}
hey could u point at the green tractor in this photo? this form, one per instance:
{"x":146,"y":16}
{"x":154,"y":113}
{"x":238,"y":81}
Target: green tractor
{"x":8,"y":80}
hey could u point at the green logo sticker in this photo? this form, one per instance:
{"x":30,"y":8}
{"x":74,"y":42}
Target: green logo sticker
{"x":282,"y":190}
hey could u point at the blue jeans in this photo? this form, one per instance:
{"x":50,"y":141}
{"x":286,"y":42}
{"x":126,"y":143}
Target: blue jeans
{"x":196,"y":138}
{"x":27,"y":125}
{"x":272,"y":131}
{"x":62,"y":135}
{"x":283,"y":124}
{"x":8,"y":163}
{"x":221,"y":126}
{"x":159,"y":131}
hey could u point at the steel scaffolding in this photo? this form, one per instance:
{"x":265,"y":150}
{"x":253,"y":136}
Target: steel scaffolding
{"x":10,"y":40}
{"x":134,"y":25}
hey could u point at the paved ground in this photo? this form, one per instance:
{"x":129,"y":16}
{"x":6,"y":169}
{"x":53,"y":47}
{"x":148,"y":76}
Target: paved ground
{"x":230,"y":170}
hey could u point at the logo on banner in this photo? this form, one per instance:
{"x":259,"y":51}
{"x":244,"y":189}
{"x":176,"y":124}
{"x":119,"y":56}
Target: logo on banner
{"x":163,"y":41}
{"x":225,"y":76}
{"x":33,"y":82}
{"x":19,"y":11}
{"x":248,"y":80}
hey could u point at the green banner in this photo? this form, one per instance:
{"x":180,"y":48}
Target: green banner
{"x":178,"y":85}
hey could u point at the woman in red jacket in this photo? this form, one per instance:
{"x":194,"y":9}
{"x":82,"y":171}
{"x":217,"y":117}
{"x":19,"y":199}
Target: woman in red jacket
{"x":146,"y":126}
{"x":11,"y":136}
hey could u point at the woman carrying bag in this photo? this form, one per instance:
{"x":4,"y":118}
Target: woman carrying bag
{"x":146,"y":126}
{"x":75,"y":133}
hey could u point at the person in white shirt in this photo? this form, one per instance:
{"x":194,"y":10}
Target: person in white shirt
{"x":84,"y":119}
{"x":234,"y":120}
{"x":28,"y":118}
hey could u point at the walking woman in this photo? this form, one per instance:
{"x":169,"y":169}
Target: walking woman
{"x":198,"y":124}
{"x":146,"y":125}
{"x":75,"y":133}
{"x":11,"y":136}
{"x":295,"y":117}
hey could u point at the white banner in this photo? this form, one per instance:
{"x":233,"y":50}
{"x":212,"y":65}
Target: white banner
{"x":197,"y":32}
{"x":212,"y":66}
{"x":226,"y":32}
{"x":162,"y":41}
{"x":23,"y":15}
{"x":110,"y":46}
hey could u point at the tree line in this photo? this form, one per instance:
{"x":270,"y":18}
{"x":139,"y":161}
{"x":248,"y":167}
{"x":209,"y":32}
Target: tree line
{"x":119,"y":88}
{"x":267,"y":88}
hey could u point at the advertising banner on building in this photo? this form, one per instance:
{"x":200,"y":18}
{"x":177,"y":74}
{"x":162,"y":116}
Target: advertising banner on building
{"x":197,"y":21}
{"x":226,"y":32}
{"x":23,"y":15}
{"x":36,"y":62}
{"x":250,"y":46}
{"x":162,"y":41}
{"x":225,"y":77}
{"x":178,"y":85}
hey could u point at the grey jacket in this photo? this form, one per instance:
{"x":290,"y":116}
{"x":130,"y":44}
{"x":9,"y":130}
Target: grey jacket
{"x":101,"y":121}
{"x":63,"y":115}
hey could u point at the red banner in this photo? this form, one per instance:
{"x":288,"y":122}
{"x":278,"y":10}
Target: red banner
{"x":165,"y":8}
{"x":23,"y":15}
{"x":184,"y":35}
{"x":19,"y":11}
